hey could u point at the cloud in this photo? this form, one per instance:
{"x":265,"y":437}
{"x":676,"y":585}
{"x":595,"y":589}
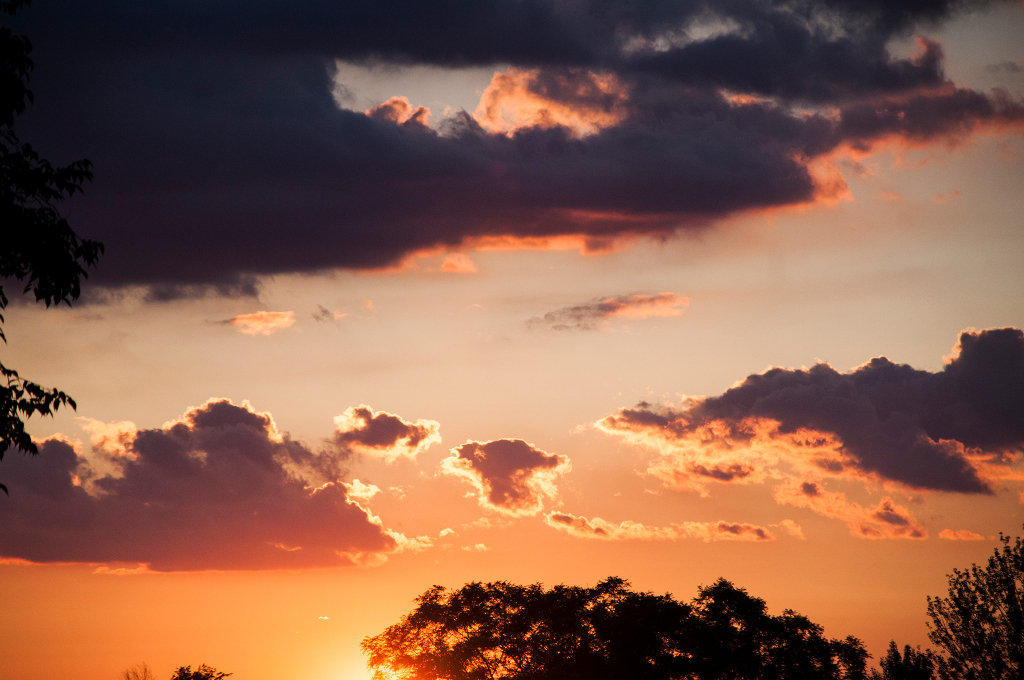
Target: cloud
{"x":510,"y":476}
{"x":583,"y":527}
{"x":960,"y":429}
{"x":262,"y":323}
{"x":219,"y":488}
{"x":934,"y":431}
{"x":886,"y":520}
{"x":591,"y":315}
{"x":383,"y":435}
{"x":610,"y":123}
{"x":960,"y":535}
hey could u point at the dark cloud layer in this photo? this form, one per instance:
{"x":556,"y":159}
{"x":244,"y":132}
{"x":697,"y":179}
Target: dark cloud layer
{"x":926,"y":430}
{"x":220,"y":489}
{"x":221,"y":156}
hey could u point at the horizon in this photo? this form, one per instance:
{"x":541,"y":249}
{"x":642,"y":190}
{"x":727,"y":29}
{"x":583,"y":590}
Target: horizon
{"x":540,"y":293}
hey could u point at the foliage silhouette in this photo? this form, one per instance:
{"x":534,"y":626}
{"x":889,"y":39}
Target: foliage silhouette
{"x":502,"y":631}
{"x":39,"y":249}
{"x":204,"y":672}
{"x":979,"y":625}
{"x":138,"y":672}
{"x":912,"y":664}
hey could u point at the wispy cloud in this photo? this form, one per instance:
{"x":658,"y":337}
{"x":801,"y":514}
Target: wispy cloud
{"x":591,"y":315}
{"x":597,"y":528}
{"x":262,"y":323}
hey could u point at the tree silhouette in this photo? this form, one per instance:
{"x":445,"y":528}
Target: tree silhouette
{"x":502,"y":631}
{"x":910,"y":665}
{"x":138,"y":672}
{"x":204,"y":672}
{"x":979,"y":625}
{"x":39,"y":250}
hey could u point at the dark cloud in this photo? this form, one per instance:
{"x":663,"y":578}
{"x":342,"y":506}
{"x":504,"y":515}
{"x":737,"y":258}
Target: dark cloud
{"x":953,"y":430}
{"x":383,"y":434}
{"x":221,"y":156}
{"x":591,"y":315}
{"x":510,"y":475}
{"x":219,"y":489}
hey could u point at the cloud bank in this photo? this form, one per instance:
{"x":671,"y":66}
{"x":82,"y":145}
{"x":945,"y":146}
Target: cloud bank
{"x":222,"y":155}
{"x":220,"y":488}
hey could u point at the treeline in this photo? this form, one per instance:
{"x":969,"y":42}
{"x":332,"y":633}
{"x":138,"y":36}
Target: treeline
{"x":505,"y":631}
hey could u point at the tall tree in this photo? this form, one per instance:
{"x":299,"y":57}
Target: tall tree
{"x":502,"y":631}
{"x":979,"y":624}
{"x":39,"y":251}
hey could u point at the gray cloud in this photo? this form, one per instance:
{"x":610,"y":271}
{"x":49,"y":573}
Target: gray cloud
{"x":954,"y":430}
{"x":219,"y":489}
{"x":221,"y":156}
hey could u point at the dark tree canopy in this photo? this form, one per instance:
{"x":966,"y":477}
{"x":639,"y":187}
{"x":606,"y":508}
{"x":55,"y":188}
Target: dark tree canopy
{"x":503,"y":631}
{"x":204,"y":672}
{"x":39,"y":252}
{"x":911,"y":664}
{"x":979,"y":624}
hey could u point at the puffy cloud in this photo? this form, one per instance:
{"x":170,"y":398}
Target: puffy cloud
{"x":510,"y":475}
{"x":262,"y":323}
{"x":591,"y":315}
{"x":219,"y":488}
{"x":921,"y":429}
{"x":382,"y":434}
{"x":613,"y":121}
{"x":960,"y":429}
{"x":583,"y":527}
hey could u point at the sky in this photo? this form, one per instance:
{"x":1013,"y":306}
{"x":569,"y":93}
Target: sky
{"x":399,"y":294}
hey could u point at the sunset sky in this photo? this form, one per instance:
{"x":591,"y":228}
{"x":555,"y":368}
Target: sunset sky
{"x":398,"y":294}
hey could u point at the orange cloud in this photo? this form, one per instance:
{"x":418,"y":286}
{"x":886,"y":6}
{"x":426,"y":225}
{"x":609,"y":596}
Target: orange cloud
{"x":885,"y":520}
{"x":582,"y":101}
{"x":458,"y":263}
{"x":948,"y":196}
{"x":597,"y":528}
{"x":510,"y":476}
{"x":960,"y":535}
{"x":262,"y":323}
{"x":399,"y":111}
